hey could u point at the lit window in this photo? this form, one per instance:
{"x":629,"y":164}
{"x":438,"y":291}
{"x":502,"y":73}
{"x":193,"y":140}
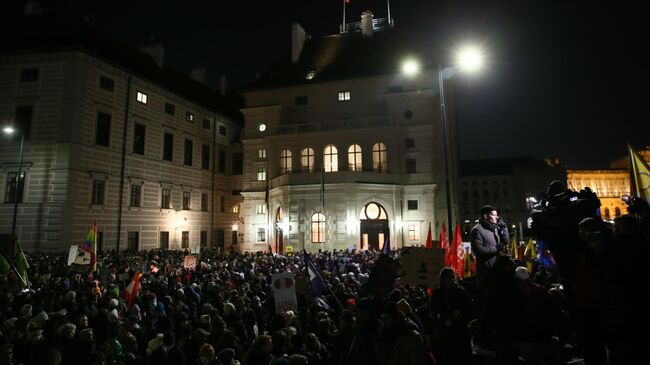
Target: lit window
{"x":285,"y":162}
{"x":235,"y":209}
{"x":261,"y":173}
{"x":354,"y":158}
{"x":379,"y":163}
{"x":317,"y":228}
{"x":330,"y":159}
{"x":344,"y":95}
{"x":261,"y":209}
{"x":307,"y":159}
{"x":189,"y":116}
{"x":142,"y":97}
{"x":261,"y":154}
{"x":414,"y":232}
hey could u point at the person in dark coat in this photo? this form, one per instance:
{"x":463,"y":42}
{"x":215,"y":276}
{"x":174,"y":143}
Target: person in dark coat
{"x":488,"y":237}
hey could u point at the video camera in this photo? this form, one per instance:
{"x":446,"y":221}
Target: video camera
{"x":558,"y":207}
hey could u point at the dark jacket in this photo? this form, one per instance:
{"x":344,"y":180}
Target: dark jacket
{"x":486,"y":240}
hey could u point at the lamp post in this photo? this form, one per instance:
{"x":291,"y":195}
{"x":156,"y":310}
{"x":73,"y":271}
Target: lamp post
{"x":468,"y":59}
{"x":17,"y":188}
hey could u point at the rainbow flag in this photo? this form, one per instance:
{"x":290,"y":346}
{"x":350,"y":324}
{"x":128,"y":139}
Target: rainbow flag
{"x":90,"y":246}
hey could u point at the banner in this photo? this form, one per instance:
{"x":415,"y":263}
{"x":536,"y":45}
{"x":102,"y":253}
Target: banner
{"x":284,"y":292}
{"x":190,"y":262}
{"x":72,"y":254}
{"x":421,"y":266}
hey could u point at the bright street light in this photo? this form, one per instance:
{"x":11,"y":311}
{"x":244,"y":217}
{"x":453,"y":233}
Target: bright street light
{"x":17,"y":182}
{"x":8,"y":130}
{"x":469,"y":58}
{"x":410,"y":67}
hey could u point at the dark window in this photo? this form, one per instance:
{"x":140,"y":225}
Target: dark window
{"x":99,"y":187}
{"x":29,"y":74}
{"x":204,"y":202}
{"x":409,"y":143}
{"x":412,"y":204}
{"x":106,"y":83}
{"x":138,"y":139}
{"x":189,"y":148}
{"x":237,"y":163}
{"x":234,"y":238}
{"x":133,"y":241}
{"x":220,"y":235}
{"x":136,"y":190}
{"x":170,"y":108}
{"x":204,"y":238}
{"x":205,"y":157}
{"x":100,"y":241}
{"x":301,"y":100}
{"x":102,"y":137}
{"x":465,"y":194}
{"x":222,"y":130}
{"x":222,"y":206}
{"x":11,"y":193}
{"x":168,"y":147}
{"x":165,"y":198}
{"x":187,"y":196}
{"x":185,"y":240}
{"x":23,"y":121}
{"x":189,"y":116}
{"x":164,"y":240}
{"x":410,"y":166}
{"x":236,"y":137}
{"x":206,"y":123}
{"x":222,"y":161}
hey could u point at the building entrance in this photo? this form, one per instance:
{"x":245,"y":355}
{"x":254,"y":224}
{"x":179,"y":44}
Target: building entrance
{"x":373,"y":227}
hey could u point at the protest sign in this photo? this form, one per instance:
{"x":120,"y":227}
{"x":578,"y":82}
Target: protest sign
{"x":190,"y":262}
{"x":72,"y":254}
{"x":421,"y":266}
{"x":284,"y":292}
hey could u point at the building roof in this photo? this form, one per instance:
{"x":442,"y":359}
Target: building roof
{"x":51,"y":34}
{"x":340,"y":57}
{"x":501,"y":166}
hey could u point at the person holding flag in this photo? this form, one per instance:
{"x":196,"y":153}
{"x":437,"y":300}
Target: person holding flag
{"x":90,"y":246}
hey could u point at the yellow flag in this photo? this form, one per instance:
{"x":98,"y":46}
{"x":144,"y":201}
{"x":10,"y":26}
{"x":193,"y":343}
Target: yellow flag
{"x":640,"y":175}
{"x":530,"y":255}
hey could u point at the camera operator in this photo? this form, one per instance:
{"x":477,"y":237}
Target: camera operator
{"x":488,"y":238}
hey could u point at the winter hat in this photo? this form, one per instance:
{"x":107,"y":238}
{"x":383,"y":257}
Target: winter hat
{"x":66,"y":331}
{"x":206,"y":351}
{"x":522,"y":273}
{"x":113,"y":303}
{"x":228,"y":308}
{"x":113,"y":314}
{"x":404,"y":306}
{"x":205,"y":319}
{"x":200,"y":334}
{"x":226,"y":356}
{"x":154,"y":344}
{"x":26,"y":311}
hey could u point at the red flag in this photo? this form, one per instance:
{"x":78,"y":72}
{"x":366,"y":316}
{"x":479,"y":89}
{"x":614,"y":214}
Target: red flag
{"x":456,"y":253}
{"x":429,"y":243}
{"x":443,"y":243}
{"x":131,"y":292}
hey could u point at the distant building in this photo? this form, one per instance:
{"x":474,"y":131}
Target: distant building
{"x":504,"y":183}
{"x":609,"y":184}
{"x":112,"y":136}
{"x":337,"y":119}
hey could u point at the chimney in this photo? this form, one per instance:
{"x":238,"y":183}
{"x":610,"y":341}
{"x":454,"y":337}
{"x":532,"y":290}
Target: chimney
{"x":33,"y":8}
{"x":366,"y":23}
{"x":298,"y":37}
{"x":223,"y":84}
{"x":155,"y":51}
{"x":199,"y":75}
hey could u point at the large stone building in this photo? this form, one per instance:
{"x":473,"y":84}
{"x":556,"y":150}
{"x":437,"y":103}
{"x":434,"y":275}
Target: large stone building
{"x":112,"y":136}
{"x":351,"y":148}
{"x":505,"y":183}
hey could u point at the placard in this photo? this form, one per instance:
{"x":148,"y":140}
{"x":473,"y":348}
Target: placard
{"x":421,"y":266}
{"x":284,"y":292}
{"x":72,"y":254}
{"x":190,"y":262}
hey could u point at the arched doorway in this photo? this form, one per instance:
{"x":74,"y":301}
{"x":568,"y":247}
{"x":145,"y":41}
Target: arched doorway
{"x":373,"y":226}
{"x":279,"y":235}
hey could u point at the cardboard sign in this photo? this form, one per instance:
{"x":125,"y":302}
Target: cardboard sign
{"x":421,"y":266}
{"x":288,"y":250}
{"x":72,"y":254}
{"x":190,"y":262}
{"x":284,"y":292}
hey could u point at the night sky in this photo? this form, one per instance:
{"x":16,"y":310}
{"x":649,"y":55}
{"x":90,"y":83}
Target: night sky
{"x":565,"y":79}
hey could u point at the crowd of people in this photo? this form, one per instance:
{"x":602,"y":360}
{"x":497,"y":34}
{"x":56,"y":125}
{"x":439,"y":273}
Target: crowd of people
{"x":222,"y":311}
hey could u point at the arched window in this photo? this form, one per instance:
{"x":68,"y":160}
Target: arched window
{"x":330,"y":159}
{"x":379,"y":163}
{"x":307,"y":160}
{"x":317,"y":228}
{"x":354,"y":158}
{"x":285,"y":162}
{"x":617,"y":212}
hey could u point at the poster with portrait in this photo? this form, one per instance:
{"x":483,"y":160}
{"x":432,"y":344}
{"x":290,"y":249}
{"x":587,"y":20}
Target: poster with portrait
{"x":190,"y":262}
{"x":284,"y":292}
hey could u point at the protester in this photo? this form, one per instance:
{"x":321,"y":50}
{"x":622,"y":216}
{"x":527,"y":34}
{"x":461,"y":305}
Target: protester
{"x":488,"y":238}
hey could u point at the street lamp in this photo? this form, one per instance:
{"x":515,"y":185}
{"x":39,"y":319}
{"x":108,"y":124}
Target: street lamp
{"x":468,"y":59}
{"x":10,"y":131}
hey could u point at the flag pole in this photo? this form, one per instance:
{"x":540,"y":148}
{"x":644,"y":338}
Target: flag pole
{"x":633,"y":168}
{"x":343,"y":30}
